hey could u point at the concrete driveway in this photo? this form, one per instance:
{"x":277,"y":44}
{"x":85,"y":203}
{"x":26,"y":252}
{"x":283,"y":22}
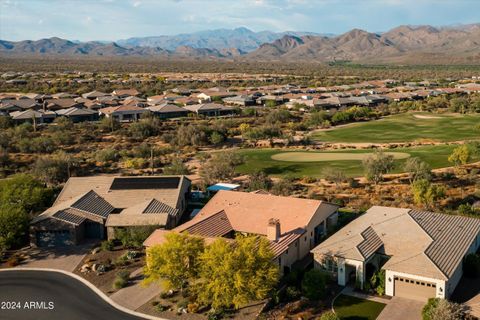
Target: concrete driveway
{"x":400,"y":309}
{"x":66,"y":258}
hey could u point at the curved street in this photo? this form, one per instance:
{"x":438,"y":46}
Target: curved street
{"x":38,"y":295}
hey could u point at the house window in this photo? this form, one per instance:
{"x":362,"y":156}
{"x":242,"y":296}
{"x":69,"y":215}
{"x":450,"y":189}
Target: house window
{"x":329,"y":264}
{"x":286,"y":251}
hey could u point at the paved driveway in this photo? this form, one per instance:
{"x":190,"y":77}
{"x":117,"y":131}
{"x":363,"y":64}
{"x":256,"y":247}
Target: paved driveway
{"x":400,"y":309}
{"x":66,"y":258}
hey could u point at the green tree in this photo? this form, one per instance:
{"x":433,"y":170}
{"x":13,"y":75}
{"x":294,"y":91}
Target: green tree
{"x":176,"y":167}
{"x":176,"y":261}
{"x":13,"y":226}
{"x":259,"y":180}
{"x":283,"y":187}
{"x":314,"y":284}
{"x":441,"y":309}
{"x":25,"y":192}
{"x":417,"y":169}
{"x":109,"y":124}
{"x":53,"y":169}
{"x":236,"y":274}
{"x":133,"y":237}
{"x":378,"y":164}
{"x":216,"y":138}
{"x":460,"y":156}
{"x":335,"y":175}
{"x":427,"y":194}
{"x":106,"y":155}
{"x":220,"y":167}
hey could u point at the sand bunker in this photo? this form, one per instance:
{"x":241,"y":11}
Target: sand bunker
{"x":422,"y":116}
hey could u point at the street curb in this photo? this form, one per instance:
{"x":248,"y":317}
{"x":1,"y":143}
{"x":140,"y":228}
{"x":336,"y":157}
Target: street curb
{"x":92,"y":287}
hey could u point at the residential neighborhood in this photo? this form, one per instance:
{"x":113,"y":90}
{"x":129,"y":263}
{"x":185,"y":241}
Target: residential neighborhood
{"x":240,"y":160}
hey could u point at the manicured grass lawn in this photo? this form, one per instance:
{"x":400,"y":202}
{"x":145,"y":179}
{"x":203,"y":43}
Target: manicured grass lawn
{"x":406,"y":127}
{"x":261,"y":159}
{"x":351,"y":308}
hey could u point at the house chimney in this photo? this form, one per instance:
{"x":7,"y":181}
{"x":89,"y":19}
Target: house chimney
{"x":273,"y":229}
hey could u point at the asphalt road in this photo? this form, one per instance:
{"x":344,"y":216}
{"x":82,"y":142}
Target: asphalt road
{"x":38,"y":295}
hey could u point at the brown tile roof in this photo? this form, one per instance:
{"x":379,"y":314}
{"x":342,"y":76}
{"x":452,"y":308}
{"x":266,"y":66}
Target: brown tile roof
{"x":216,"y":225}
{"x":250,"y":212}
{"x":452,"y":237}
{"x":280,"y":246}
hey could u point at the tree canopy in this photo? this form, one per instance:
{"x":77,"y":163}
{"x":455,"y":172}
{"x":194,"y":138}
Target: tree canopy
{"x":176,"y":261}
{"x":235,"y":274}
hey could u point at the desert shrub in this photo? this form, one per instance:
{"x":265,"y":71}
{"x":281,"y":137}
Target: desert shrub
{"x":160,"y":308}
{"x":183,"y":303}
{"x":135,"y":163}
{"x":471,"y":265}
{"x":131,"y":254}
{"x":176,"y":167}
{"x":313,"y":284}
{"x":13,"y":261}
{"x":107,"y":245}
{"x":135,"y":236}
{"x":215,"y":314}
{"x":441,"y":309}
{"x":121,"y":279}
{"x":378,"y":282}
{"x":164,"y":295}
{"x":193,"y":307}
{"x":106,"y":155}
{"x":292,"y":293}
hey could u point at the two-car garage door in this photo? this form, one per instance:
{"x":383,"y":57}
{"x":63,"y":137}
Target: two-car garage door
{"x":54,"y":238}
{"x":414,"y":289}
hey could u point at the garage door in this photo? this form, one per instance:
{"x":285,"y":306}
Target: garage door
{"x":93,"y":230}
{"x":54,"y":238}
{"x":414,"y":289}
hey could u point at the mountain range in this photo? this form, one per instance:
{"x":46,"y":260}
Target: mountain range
{"x":403,"y":44}
{"x":243,"y":39}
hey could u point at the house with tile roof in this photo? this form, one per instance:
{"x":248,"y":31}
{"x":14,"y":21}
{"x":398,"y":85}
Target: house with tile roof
{"x":123,"y":113}
{"x":210,"y":109}
{"x":168,"y":110}
{"x":292,"y":225}
{"x":421,"y":252}
{"x":95,"y":207}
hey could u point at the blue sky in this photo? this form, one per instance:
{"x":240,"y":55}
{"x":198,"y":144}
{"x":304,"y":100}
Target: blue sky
{"x":118,"y":19}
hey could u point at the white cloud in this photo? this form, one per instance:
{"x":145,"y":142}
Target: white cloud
{"x":137,"y":4}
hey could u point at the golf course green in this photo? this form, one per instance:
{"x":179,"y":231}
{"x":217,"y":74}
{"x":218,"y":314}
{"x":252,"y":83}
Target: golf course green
{"x":330,"y":156}
{"x":278,"y":162}
{"x":406,"y":127}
